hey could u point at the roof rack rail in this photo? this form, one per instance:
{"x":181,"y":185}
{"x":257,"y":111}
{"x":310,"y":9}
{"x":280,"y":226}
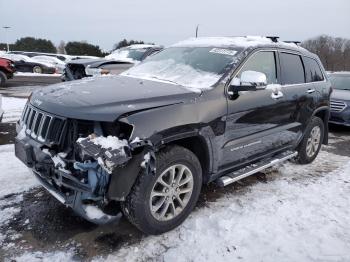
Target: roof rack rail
{"x":273,"y":38}
{"x":293,"y":42}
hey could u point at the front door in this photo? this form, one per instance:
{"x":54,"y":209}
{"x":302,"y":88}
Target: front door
{"x":258,"y":122}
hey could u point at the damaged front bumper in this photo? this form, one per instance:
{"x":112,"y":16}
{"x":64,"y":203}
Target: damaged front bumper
{"x":110,"y":178}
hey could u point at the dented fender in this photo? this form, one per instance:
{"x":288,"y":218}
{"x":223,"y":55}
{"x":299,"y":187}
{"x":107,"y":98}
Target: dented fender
{"x":124,"y":177}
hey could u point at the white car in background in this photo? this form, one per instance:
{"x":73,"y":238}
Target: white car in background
{"x":1,"y":110}
{"x":59,"y":64}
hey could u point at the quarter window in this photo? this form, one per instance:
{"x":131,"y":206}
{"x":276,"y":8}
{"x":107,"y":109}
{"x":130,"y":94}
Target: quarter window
{"x":264,"y":62}
{"x":312,"y":70}
{"x":292,"y":69}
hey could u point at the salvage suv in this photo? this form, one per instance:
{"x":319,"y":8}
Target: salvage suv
{"x":202,"y":110}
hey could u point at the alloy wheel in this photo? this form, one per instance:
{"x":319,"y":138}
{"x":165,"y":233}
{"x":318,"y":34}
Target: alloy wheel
{"x":171,"y":192}
{"x":313,"y":141}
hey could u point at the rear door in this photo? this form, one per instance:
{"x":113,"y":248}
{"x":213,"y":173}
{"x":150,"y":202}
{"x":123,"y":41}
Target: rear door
{"x":258,"y":122}
{"x":300,"y":95}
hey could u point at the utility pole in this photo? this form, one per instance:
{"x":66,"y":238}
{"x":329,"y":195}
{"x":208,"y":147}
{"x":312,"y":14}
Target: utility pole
{"x":197,"y":31}
{"x":6,"y":36}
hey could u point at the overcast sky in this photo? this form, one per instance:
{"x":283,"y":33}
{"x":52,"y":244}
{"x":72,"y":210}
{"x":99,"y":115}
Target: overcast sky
{"x":106,"y":22}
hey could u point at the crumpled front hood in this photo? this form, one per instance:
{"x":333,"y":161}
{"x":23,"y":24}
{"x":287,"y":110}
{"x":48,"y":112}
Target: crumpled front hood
{"x":340,"y":94}
{"x":105,"y":98}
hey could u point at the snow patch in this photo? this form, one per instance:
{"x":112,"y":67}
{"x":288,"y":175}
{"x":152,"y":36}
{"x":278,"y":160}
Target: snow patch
{"x":93,"y":212}
{"x":13,"y":108}
{"x":170,"y":71}
{"x":109,"y":142}
{"x":146,"y":159}
{"x":301,"y":214}
{"x":245,"y":42}
{"x":15,"y":176}
{"x":59,"y":256}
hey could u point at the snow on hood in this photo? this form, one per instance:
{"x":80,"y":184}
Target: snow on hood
{"x":184,"y":75}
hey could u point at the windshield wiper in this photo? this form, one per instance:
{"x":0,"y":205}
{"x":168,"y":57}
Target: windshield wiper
{"x":166,"y":80}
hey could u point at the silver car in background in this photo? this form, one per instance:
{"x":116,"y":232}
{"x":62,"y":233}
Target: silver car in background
{"x":340,"y":98}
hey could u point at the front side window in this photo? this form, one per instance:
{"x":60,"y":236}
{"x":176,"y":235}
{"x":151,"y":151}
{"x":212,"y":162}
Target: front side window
{"x":197,"y":67}
{"x":292,"y":69}
{"x":312,"y":70}
{"x":263,"y":62}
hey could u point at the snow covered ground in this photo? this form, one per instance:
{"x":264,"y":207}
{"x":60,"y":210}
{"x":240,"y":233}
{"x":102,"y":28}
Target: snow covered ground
{"x":36,"y":74}
{"x":298,"y":213}
{"x":13,"y":108}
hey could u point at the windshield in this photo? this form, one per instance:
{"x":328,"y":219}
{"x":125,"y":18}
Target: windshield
{"x":127,"y":54}
{"x":196,"y":67}
{"x":340,"y":81}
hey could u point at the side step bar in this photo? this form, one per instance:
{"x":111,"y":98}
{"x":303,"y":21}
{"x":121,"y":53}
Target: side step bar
{"x":254,"y":168}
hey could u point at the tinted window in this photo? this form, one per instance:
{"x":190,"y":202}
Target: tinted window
{"x":292,"y":69}
{"x":263,"y":62}
{"x":312,"y":70}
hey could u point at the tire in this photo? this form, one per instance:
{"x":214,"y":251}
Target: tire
{"x":311,"y":144}
{"x":37,"y":69}
{"x":141,"y":209}
{"x":3,"y":79}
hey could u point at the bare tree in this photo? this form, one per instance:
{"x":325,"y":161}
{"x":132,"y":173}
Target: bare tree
{"x":333,"y":52}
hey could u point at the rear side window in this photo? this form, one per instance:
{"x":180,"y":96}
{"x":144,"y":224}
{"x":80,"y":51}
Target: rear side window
{"x":292,"y":69}
{"x":312,"y":70}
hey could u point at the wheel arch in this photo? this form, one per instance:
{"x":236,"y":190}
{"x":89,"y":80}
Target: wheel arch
{"x":199,"y":147}
{"x":323,"y":113}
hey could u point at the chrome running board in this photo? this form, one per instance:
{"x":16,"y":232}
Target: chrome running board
{"x":254,"y":168}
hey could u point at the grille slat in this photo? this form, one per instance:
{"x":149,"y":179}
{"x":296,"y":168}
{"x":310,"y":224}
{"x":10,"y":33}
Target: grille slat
{"x":338,"y":106}
{"x":45,"y":128}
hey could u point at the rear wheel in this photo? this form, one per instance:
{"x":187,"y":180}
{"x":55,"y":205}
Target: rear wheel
{"x":3,"y":78}
{"x":37,"y":69}
{"x":312,"y":141}
{"x":160,"y":202}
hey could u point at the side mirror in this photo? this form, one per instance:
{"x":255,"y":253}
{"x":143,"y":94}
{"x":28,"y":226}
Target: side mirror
{"x":249,"y":81}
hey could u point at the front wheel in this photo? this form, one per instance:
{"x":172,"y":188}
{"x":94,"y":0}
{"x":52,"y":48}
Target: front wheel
{"x":312,"y":141}
{"x":159,"y":203}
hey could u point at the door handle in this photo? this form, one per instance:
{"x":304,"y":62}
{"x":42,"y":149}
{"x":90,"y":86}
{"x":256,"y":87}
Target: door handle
{"x":310,"y":91}
{"x":276,"y":95}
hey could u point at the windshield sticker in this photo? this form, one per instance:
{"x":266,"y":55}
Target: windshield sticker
{"x":223,"y":51}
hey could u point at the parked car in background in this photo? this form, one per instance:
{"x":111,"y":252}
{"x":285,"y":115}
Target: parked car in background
{"x":61,"y":57}
{"x":145,"y":141}
{"x":115,"y":63}
{"x":7,"y":69}
{"x":340,"y":99}
{"x":26,"y":64}
{"x":59,"y":64}
{"x":1,"y":110}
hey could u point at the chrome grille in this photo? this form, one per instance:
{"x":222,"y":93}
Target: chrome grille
{"x":337,"y":106}
{"x":43,"y":127}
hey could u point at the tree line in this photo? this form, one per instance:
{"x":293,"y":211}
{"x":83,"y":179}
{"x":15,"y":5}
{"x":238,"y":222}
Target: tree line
{"x":32,"y":44}
{"x":334,"y":52}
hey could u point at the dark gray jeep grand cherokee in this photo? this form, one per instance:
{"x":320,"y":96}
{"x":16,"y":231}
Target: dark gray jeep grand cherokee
{"x":203,"y":110}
